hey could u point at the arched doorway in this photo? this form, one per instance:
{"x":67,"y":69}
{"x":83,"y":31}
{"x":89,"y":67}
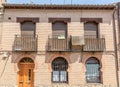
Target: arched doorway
{"x":59,"y":70}
{"x":93,"y":73}
{"x":26,"y":74}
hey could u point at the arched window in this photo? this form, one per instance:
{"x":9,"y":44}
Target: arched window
{"x":26,"y":60}
{"x":93,"y":74}
{"x":91,"y":30}
{"x":59,"y":70}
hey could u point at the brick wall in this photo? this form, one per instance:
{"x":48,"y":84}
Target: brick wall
{"x":44,"y":59}
{"x":43,"y":28}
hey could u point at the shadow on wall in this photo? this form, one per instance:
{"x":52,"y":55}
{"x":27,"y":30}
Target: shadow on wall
{"x":69,"y":56}
{"x":17,"y":56}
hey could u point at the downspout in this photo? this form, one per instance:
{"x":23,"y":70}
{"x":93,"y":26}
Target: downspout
{"x":115,"y":47}
{"x":1,"y":24}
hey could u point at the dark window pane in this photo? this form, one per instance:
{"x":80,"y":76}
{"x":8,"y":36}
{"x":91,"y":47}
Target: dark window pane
{"x":29,"y":75}
{"x":26,"y":60}
{"x":59,"y":26}
{"x":91,"y":30}
{"x":27,"y":28}
{"x":59,"y":29}
{"x":92,"y":61}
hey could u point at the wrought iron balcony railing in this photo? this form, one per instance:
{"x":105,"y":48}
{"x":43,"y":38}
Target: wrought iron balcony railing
{"x":76,"y":43}
{"x":25,"y":43}
{"x":58,"y":44}
{"x":94,"y":44}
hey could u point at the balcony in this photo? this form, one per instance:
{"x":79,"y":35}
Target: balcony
{"x":58,"y":44}
{"x":25,"y":43}
{"x":94,"y":44}
{"x":76,"y":43}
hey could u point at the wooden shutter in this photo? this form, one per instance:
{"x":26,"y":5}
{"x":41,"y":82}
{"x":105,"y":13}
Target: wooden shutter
{"x":59,"y":28}
{"x":91,"y":29}
{"x":27,"y":28}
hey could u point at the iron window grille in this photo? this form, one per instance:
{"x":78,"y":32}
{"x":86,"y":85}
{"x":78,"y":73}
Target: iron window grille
{"x":59,"y":73}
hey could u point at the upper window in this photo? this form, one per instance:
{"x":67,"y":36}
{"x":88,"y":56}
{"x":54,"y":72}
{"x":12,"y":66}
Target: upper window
{"x":59,"y":73}
{"x":91,"y":30}
{"x":28,"y":25}
{"x":27,"y":28}
{"x":93,"y":74}
{"x":59,"y":29}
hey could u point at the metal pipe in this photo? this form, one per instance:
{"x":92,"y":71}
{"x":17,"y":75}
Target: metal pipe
{"x":115,"y":46}
{"x":1,"y":23}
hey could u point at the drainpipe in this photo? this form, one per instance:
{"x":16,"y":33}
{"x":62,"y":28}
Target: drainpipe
{"x":1,"y":24}
{"x":115,"y":46}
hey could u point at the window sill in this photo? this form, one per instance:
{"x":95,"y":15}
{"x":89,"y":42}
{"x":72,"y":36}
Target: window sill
{"x":94,"y":84}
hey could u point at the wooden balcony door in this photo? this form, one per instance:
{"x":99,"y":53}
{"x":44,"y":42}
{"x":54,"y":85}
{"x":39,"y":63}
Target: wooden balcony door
{"x":26,"y":75}
{"x":28,"y":28}
{"x":59,"y":30}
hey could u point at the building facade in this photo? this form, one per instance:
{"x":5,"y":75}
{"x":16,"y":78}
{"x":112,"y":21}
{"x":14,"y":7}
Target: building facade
{"x":58,"y":45}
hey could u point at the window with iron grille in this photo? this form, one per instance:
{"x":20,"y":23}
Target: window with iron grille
{"x":93,"y":74}
{"x":26,"y":60}
{"x":59,"y":70}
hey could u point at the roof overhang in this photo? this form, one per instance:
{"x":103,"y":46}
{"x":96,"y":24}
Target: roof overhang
{"x":58,"y":7}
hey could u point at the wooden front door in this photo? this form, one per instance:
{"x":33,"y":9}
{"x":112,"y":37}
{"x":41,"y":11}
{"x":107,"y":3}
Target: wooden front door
{"x":26,"y":75}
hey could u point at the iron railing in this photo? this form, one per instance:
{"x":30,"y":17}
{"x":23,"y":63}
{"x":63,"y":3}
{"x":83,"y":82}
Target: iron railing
{"x":25,"y":43}
{"x":94,"y":44}
{"x":91,"y":43}
{"x":58,"y":44}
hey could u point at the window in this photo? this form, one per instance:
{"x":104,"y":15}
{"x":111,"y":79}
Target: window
{"x":28,"y":25}
{"x":59,"y":29}
{"x":26,"y":60}
{"x":91,"y":30}
{"x":93,"y":71}
{"x":59,"y":73}
{"x":27,"y":28}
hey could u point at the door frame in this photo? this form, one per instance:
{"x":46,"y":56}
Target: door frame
{"x":20,"y":69}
